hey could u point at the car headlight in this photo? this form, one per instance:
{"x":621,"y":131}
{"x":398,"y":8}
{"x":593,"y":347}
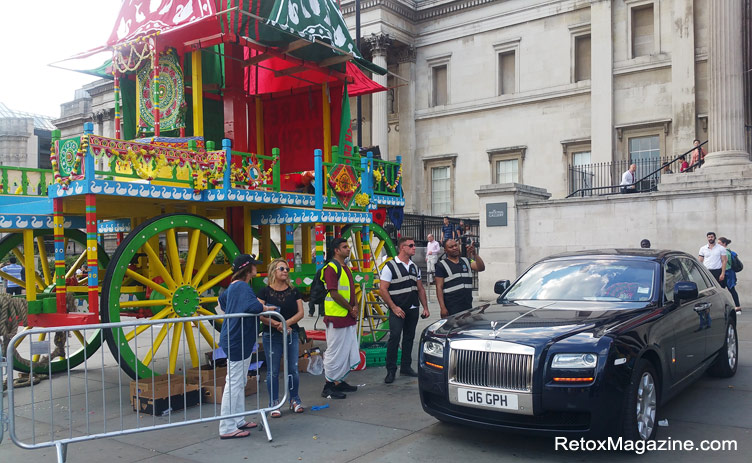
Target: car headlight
{"x":436,"y":325}
{"x":574,"y":361}
{"x":434,"y":349}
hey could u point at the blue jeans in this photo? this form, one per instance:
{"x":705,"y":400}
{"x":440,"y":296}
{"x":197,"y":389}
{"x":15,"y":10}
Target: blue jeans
{"x":273,"y":348}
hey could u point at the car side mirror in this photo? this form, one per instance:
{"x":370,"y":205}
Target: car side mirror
{"x":685,"y":291}
{"x":501,"y":286}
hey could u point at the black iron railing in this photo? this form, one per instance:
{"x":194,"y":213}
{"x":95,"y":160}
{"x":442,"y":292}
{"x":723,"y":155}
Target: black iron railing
{"x":598,"y":179}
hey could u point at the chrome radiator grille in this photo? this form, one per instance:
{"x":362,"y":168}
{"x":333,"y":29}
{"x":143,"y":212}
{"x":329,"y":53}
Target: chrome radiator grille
{"x":492,"y":369}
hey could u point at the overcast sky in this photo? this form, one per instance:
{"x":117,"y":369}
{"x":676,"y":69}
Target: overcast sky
{"x":36,"y":33}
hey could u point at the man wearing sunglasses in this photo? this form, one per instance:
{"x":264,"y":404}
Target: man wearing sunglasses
{"x":402,"y":289}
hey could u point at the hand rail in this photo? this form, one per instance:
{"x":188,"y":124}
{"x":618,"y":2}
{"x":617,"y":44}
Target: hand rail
{"x":582,"y":191}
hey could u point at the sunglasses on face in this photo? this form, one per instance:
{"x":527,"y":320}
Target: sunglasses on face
{"x":283,"y":269}
{"x":409,"y":245}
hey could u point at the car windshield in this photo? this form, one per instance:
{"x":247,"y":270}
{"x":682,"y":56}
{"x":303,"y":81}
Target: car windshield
{"x":579,"y":280}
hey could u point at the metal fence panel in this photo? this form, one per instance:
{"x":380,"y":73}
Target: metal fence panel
{"x":54,"y":415}
{"x":2,"y":397}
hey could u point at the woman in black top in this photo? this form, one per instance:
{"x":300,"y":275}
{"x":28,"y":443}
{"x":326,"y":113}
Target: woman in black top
{"x":280,"y":293}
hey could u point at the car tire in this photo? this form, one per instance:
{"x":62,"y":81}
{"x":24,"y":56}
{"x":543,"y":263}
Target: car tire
{"x":640,"y":411}
{"x":728,"y":357}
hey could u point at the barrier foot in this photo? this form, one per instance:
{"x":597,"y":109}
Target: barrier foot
{"x":62,"y":452}
{"x":266,"y":426}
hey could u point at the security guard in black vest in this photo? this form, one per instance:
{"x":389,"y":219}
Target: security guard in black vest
{"x":401,"y":288}
{"x":454,"y":278}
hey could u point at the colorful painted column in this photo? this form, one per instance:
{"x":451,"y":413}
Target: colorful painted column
{"x":320,"y":237}
{"x":155,"y":88}
{"x":116,"y":76}
{"x":327,"y":120}
{"x":197,"y":87}
{"x":318,"y":180}
{"x":28,"y":263}
{"x":365,"y":237}
{"x":57,"y":219}
{"x":91,"y":252}
{"x":289,"y":245}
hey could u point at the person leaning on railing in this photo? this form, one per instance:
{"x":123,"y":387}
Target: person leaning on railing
{"x":282,"y":294}
{"x":237,"y":338}
{"x":628,"y":180}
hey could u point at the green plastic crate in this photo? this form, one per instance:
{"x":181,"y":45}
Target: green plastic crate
{"x":376,"y":356}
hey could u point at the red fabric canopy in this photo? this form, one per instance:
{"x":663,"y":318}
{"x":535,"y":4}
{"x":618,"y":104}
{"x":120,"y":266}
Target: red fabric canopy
{"x":361,"y":85}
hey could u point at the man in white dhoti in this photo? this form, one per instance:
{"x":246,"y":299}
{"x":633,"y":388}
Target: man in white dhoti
{"x":341,"y":319}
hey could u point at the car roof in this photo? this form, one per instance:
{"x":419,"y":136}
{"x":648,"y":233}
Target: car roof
{"x":620,"y":253}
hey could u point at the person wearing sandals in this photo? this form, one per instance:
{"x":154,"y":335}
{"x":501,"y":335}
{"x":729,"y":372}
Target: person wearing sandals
{"x":281,"y":294}
{"x":237,"y":338}
{"x":730,"y":273}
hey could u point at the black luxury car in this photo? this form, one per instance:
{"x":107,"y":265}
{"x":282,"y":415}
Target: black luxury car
{"x":585,"y":343}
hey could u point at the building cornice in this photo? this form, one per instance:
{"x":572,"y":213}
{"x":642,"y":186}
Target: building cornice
{"x":503,"y":101}
{"x":412,"y":11}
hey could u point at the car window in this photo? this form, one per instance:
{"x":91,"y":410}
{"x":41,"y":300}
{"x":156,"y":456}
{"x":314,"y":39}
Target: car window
{"x":586,"y":280}
{"x":694,"y":274}
{"x":673,"y":273}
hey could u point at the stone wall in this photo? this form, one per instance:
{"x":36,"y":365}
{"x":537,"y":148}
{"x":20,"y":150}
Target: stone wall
{"x":670,"y":220}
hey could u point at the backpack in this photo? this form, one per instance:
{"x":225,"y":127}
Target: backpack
{"x":318,"y":287}
{"x":736,"y":263}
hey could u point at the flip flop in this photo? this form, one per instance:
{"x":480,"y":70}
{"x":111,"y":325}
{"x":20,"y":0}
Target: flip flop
{"x":236,"y":435}
{"x":249,"y":425}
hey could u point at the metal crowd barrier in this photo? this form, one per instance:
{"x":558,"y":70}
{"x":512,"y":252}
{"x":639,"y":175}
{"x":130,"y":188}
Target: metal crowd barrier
{"x":75,"y":405}
{"x":2,"y":396}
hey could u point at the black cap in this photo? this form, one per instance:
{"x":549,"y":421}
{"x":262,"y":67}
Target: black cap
{"x":645,"y":243}
{"x":243,"y":261}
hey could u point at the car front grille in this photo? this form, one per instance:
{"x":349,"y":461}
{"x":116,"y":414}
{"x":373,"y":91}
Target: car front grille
{"x":510,"y":371}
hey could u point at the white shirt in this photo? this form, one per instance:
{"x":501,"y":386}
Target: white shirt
{"x":711,"y":257}
{"x":628,"y":178}
{"x":432,"y":248}
{"x":386,"y":272}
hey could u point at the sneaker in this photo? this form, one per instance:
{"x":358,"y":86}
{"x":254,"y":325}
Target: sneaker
{"x":344,"y":387}
{"x":330,"y":392}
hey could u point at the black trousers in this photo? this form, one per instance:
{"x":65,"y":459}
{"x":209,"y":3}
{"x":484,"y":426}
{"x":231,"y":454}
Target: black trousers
{"x":405,"y":328}
{"x":716,"y":272}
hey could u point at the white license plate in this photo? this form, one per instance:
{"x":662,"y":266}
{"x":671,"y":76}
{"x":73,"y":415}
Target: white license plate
{"x":486,"y":399}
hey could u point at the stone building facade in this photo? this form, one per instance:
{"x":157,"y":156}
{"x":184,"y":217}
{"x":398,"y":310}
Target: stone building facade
{"x":515,"y":91}
{"x":94,"y":102}
{"x":24,"y":139}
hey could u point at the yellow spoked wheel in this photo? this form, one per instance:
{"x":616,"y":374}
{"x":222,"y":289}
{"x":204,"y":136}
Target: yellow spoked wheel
{"x":65,"y":352}
{"x":180,"y":289}
{"x":375,"y":322}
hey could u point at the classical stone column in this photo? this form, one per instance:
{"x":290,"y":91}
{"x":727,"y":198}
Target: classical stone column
{"x":726,"y":87}
{"x":601,"y":82}
{"x":683,"y":104}
{"x":412,"y":172}
{"x":379,"y":43}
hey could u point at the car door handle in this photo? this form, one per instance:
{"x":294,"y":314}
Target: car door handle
{"x":702,"y":307}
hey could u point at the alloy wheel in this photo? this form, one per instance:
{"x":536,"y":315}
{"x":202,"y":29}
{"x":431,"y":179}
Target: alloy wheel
{"x":646,"y":405}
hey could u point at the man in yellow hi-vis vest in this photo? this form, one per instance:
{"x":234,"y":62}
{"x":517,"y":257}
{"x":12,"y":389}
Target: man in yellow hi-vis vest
{"x":341,"y":319}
